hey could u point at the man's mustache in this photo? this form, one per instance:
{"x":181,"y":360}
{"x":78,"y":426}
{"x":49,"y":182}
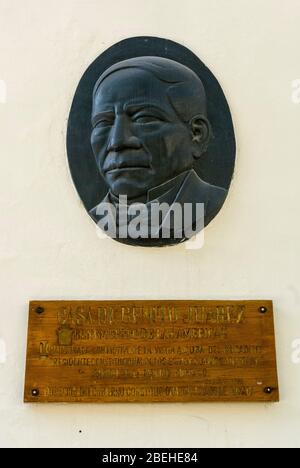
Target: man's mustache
{"x":126,"y":157}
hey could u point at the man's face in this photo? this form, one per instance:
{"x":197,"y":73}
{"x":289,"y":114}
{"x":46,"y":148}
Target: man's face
{"x":138,"y":140}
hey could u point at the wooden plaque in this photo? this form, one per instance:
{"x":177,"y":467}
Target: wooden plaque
{"x":151,"y":351}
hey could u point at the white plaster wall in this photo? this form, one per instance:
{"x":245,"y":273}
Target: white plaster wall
{"x":49,"y":248}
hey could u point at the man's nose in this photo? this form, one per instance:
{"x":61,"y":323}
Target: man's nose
{"x":121,"y":135}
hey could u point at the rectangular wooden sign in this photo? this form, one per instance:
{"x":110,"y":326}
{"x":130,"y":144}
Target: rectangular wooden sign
{"x":151,"y":351}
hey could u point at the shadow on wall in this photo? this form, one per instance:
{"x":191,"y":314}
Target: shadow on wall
{"x":2,"y":351}
{"x":3,"y":92}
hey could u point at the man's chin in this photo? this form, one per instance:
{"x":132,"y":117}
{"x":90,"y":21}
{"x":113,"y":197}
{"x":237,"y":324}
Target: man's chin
{"x":128,"y":191}
{"x":132,"y":187}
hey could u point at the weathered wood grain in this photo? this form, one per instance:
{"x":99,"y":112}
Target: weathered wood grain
{"x":151,"y":351}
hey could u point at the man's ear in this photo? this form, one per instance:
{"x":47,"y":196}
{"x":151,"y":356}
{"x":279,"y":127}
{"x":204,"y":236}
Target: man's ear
{"x":201,"y":134}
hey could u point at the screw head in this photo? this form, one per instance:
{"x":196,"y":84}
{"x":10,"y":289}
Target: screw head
{"x":35,"y":392}
{"x":268,"y":390}
{"x":263,"y":310}
{"x":40,"y":310}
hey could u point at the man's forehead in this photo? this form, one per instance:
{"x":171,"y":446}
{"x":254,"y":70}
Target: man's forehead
{"x":130,"y":85}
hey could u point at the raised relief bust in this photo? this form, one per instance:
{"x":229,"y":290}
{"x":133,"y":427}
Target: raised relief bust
{"x":149,"y":128}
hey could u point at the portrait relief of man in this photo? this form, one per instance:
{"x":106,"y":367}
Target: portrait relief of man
{"x":149,"y":127}
{"x":151,"y":143}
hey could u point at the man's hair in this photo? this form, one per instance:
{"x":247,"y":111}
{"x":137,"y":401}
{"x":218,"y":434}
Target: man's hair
{"x":185,"y":89}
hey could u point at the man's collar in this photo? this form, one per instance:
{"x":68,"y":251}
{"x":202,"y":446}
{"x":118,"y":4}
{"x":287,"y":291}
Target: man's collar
{"x":159,"y":193}
{"x":161,"y":190}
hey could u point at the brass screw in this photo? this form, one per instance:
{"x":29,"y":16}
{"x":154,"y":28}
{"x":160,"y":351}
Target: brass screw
{"x":268,"y":390}
{"x":35,"y":392}
{"x":263,"y":310}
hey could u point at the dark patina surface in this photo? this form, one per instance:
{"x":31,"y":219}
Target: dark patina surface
{"x":154,"y":126}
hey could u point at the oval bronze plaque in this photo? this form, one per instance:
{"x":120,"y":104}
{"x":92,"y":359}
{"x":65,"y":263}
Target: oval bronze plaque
{"x":151,"y":144}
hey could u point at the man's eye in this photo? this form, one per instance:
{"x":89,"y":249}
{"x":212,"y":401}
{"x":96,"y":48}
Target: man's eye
{"x":146,"y":119}
{"x":103,"y":123}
